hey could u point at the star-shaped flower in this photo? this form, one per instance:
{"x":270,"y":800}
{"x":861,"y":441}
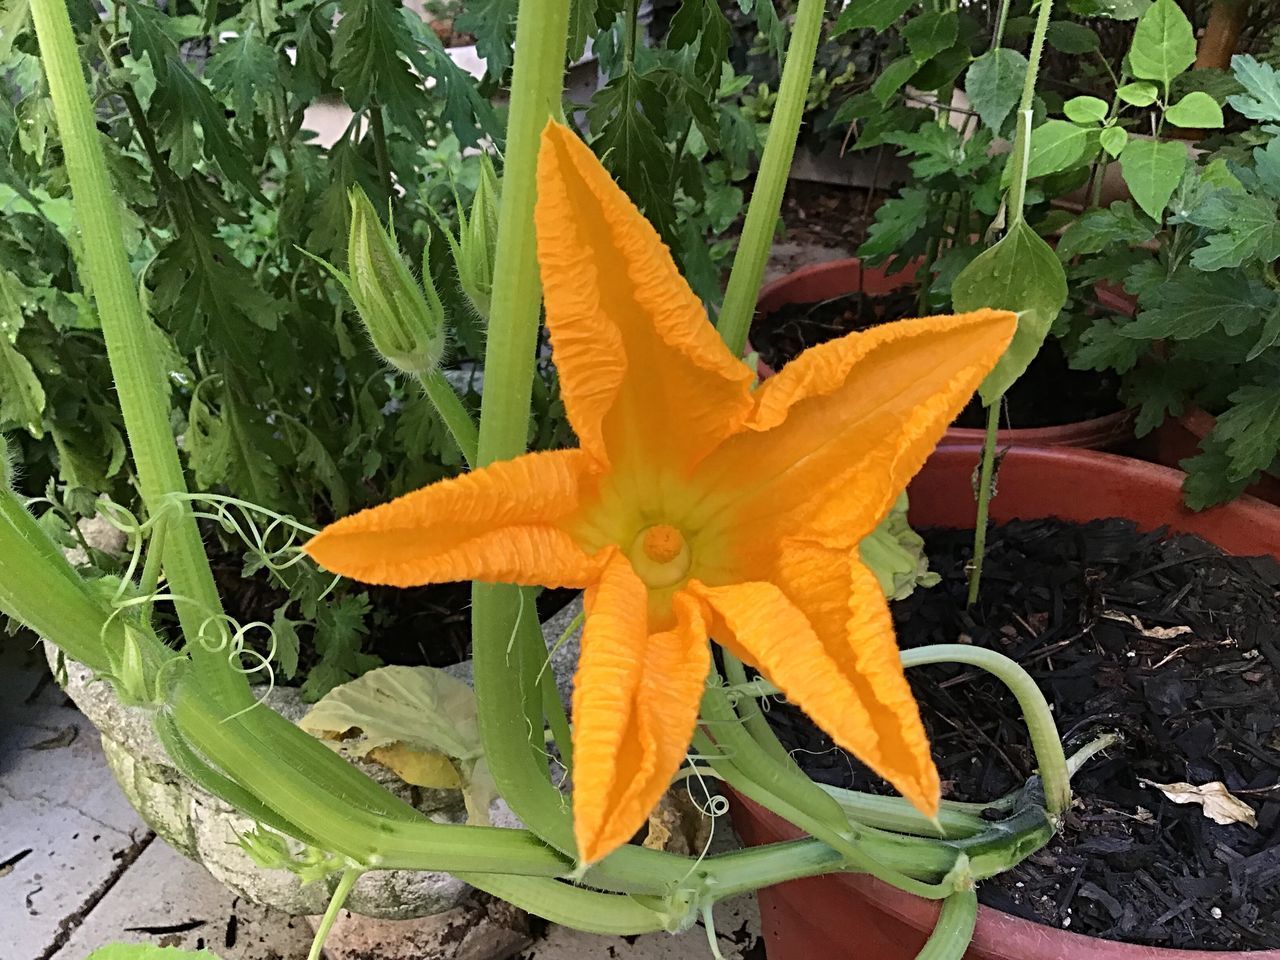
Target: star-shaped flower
{"x":694,"y":507}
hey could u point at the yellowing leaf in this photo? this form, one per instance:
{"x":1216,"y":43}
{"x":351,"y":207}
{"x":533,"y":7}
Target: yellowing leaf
{"x":421,"y":707}
{"x":418,"y":767}
{"x":1219,"y":805}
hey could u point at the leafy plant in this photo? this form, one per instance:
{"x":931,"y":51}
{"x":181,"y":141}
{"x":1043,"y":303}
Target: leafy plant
{"x":1207,"y":329}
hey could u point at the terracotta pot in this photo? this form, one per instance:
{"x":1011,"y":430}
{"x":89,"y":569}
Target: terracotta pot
{"x":853,"y":917}
{"x":824,"y":281}
{"x":1179,"y":438}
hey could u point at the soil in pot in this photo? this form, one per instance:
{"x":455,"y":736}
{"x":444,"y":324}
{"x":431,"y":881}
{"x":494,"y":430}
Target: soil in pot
{"x":1049,"y":395}
{"x":1171,"y":643}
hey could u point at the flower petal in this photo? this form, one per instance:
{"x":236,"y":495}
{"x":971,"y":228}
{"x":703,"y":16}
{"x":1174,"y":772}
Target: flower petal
{"x":635,"y":351}
{"x":835,"y":437}
{"x":635,"y":703}
{"x":497,"y":524}
{"x":831,"y":650}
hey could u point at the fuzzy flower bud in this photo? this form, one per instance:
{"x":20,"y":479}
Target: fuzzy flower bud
{"x":405,"y":321}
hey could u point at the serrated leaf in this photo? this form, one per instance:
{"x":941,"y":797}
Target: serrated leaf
{"x":1245,"y":227}
{"x":869,"y":14}
{"x":1139,"y":94}
{"x":930,"y":33}
{"x":1104,"y":347}
{"x":22,"y":397}
{"x":896,"y":221}
{"x":1085,"y":109}
{"x":493,"y":22}
{"x":1020,"y":273}
{"x":582,"y":25}
{"x":372,"y":47}
{"x":1113,"y":140}
{"x":1164,"y":43}
{"x":1152,"y":170}
{"x":287,"y":645}
{"x":246,"y":70}
{"x":1095,"y":230}
{"x":893,"y":77}
{"x":1261,"y":101}
{"x":1197,"y":109}
{"x":1066,"y":36}
{"x":1250,"y":428}
{"x":1056,"y":145}
{"x":630,"y":145}
{"x":1190,"y":304}
{"x":994,"y":84}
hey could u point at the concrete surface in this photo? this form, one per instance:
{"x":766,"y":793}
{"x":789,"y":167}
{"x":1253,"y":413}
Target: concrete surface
{"x":79,"y":869}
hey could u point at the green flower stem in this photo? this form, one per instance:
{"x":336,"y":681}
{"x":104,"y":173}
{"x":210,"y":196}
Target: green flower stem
{"x":986,"y":490}
{"x":752,"y":716}
{"x":339,"y":897}
{"x":783,"y":779}
{"x":131,"y":343}
{"x":899,"y":862}
{"x":1022,"y":140}
{"x":771,"y":180}
{"x":897,"y":815}
{"x":1050,"y":759}
{"x":503,"y":647}
{"x":455,"y":416}
{"x":954,"y":931}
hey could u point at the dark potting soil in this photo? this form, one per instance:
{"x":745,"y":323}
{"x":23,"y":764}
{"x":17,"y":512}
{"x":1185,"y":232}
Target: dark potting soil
{"x":1050,"y":394}
{"x":1170,"y":643}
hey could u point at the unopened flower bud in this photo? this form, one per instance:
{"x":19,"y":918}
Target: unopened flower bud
{"x":477,"y":239}
{"x":405,"y":321}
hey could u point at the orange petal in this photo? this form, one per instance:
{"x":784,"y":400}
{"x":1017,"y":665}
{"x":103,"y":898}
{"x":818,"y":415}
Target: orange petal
{"x":832,"y":652}
{"x":497,"y":524}
{"x":635,"y":703}
{"x":836,"y":436}
{"x":635,"y":351}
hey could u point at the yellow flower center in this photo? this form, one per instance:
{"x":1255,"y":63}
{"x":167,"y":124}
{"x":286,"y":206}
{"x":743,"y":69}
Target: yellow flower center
{"x":660,"y":556}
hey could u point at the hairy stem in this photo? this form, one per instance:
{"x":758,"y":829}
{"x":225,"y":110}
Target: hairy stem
{"x":986,"y":490}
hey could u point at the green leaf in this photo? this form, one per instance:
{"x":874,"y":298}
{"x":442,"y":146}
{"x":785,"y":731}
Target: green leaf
{"x":15,"y":18}
{"x":1105,"y":347}
{"x":246,"y":70}
{"x":994,"y":84}
{"x":929,"y":34}
{"x":1113,"y":140}
{"x":1152,"y":169}
{"x":630,"y":144}
{"x":287,"y":646}
{"x":893,"y":77}
{"x":1139,"y":94}
{"x":1245,"y":228}
{"x":1020,"y":273}
{"x":896,"y":221}
{"x":1086,"y":109}
{"x":493,"y":22}
{"x":1111,"y":9}
{"x":145,"y":951}
{"x":371,"y":55}
{"x":1261,"y":101}
{"x":1190,"y":304}
{"x":1095,"y":230}
{"x":875,"y":15}
{"x":1207,"y":483}
{"x":1056,"y":145}
{"x":1067,"y":36}
{"x":582,"y":25}
{"x":1164,"y":44}
{"x":1196,"y":109}
{"x":1250,"y":428}
{"x":22,"y":397}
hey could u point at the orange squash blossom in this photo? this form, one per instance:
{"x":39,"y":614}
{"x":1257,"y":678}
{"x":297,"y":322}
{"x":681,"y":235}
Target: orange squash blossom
{"x":693,"y":507}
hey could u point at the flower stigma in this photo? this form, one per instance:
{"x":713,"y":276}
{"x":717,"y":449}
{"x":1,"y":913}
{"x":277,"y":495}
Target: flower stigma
{"x":660,"y":556}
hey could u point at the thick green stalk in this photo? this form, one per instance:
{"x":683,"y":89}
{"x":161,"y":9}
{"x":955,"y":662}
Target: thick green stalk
{"x":503,"y":648}
{"x":131,"y":345}
{"x":1046,"y":744}
{"x":771,"y":179}
{"x":985,"y":492}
